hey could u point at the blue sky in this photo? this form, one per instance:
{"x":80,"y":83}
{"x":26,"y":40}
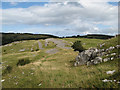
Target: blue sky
{"x":6,"y":5}
{"x":61,"y":19}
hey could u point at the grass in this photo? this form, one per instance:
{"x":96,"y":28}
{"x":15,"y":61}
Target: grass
{"x":55,"y":70}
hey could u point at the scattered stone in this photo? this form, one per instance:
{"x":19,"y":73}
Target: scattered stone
{"x":117,"y":46}
{"x":89,"y":63}
{"x":113,"y":54}
{"x":111,"y":48}
{"x":15,"y":77}
{"x":112,"y":58}
{"x":105,"y":80}
{"x":16,"y":83}
{"x":107,"y":55}
{"x":97,"y":60}
{"x":39,"y":84}
{"x":118,"y":82}
{"x":106,"y":59}
{"x":110,"y":72}
{"x":3,"y":80}
{"x":32,"y":50}
{"x":21,"y":50}
{"x":22,"y":72}
{"x":75,"y":64}
{"x":32,"y":73}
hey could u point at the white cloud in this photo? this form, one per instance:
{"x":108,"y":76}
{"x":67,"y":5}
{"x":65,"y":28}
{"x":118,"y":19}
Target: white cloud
{"x":82,"y":17}
{"x":13,"y":3}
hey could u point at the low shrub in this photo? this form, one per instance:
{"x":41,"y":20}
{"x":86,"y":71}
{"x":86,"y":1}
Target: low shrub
{"x":77,"y":46}
{"x":37,"y":50}
{"x":23,"y":61}
{"x":8,"y":69}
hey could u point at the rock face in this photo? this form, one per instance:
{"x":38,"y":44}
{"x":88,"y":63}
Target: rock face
{"x":93,"y":56}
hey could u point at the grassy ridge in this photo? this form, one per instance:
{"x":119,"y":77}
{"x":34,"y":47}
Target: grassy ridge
{"x":56,"y":70}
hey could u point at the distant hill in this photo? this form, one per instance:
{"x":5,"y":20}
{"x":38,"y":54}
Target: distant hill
{"x":94,"y":36}
{"x":11,"y":37}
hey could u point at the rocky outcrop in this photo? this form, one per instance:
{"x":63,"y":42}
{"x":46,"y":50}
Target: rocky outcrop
{"x":94,"y":56}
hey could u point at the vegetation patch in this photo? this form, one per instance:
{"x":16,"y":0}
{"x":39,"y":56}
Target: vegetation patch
{"x":77,"y":46}
{"x":7,"y":70}
{"x":23,"y":61}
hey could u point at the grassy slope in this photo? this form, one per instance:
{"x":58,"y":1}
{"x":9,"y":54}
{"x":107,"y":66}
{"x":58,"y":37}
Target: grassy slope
{"x":54,"y":70}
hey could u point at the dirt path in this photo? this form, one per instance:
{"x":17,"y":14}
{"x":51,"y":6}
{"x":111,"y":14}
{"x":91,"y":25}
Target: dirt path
{"x":59,"y":43}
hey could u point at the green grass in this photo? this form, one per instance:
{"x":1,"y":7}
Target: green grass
{"x":55,"y":70}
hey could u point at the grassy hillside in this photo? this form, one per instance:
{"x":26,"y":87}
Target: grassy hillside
{"x":11,"y":37}
{"x":47,"y":70}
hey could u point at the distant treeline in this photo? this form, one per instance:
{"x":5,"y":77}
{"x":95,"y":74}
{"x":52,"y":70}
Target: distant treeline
{"x":92,"y":36}
{"x":11,"y":37}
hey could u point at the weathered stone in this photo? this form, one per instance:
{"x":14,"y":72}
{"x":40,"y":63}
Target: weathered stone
{"x":117,"y":46}
{"x":97,"y":60}
{"x":83,"y":58}
{"x":75,"y":64}
{"x":113,"y":54}
{"x":111,"y":58}
{"x":89,"y":63}
{"x":21,"y":50}
{"x":106,"y":59}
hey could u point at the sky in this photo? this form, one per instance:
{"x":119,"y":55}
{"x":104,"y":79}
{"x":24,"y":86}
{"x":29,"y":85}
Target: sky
{"x":60,"y":18}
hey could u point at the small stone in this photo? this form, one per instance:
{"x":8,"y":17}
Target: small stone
{"x":90,"y":63}
{"x":22,"y":72}
{"x":113,"y":54}
{"x":39,"y":84}
{"x":75,"y":64}
{"x":110,"y":72}
{"x":3,"y":80}
{"x":112,"y":58}
{"x":106,"y":59}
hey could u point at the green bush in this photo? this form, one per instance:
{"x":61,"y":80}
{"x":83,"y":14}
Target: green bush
{"x":23,"y":61}
{"x":77,"y":46}
{"x":37,"y":49}
{"x":8,"y":69}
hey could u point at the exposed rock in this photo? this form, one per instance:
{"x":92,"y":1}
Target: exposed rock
{"x":21,"y":50}
{"x":89,"y":63}
{"x":117,"y":46}
{"x":101,"y":45}
{"x":94,"y":56}
{"x":75,"y":64}
{"x":82,"y":58}
{"x":97,"y":60}
{"x":52,"y":51}
{"x":59,"y":43}
{"x":32,"y":50}
{"x":111,"y":58}
{"x":106,"y":59}
{"x":40,"y":45}
{"x":113,"y":54}
{"x":105,"y":80}
{"x":110,"y":72}
{"x":111,"y":48}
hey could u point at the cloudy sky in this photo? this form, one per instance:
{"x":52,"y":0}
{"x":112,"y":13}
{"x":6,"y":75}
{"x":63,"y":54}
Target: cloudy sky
{"x":61,"y":18}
